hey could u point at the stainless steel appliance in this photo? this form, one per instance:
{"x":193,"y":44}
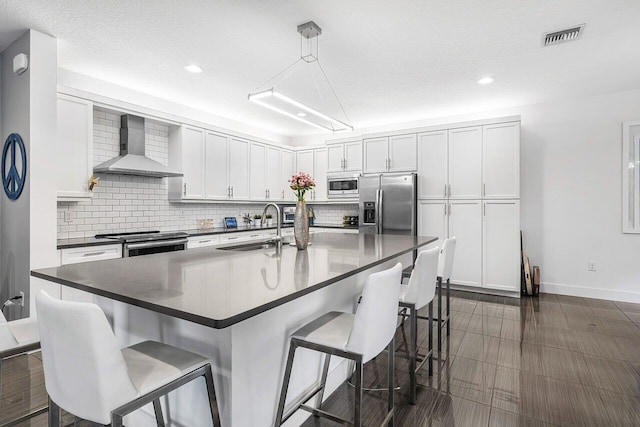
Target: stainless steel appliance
{"x":342,"y":186}
{"x":388,"y":204}
{"x":148,"y":242}
{"x":288,"y":213}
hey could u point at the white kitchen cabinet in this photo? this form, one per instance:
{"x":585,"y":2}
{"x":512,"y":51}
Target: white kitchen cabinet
{"x":273,"y":173}
{"x":239,"y":168}
{"x":85,"y":254}
{"x":465,"y":223}
{"x":344,"y":157}
{"x":217,"y":166}
{"x":74,"y":147}
{"x":501,"y":161}
{"x":390,"y":154}
{"x":257,"y":172}
{"x":465,"y":163}
{"x":433,"y":219}
{"x":287,"y":170}
{"x":203,"y":241}
{"x":304,"y":161}
{"x":501,"y":245}
{"x":433,"y":168}
{"x":320,"y":174}
{"x":187,"y":154}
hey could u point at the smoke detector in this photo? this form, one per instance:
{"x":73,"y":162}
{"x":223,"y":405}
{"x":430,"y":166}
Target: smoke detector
{"x":562,"y":36}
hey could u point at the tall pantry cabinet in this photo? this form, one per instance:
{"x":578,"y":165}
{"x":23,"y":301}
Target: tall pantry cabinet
{"x":469,"y":187}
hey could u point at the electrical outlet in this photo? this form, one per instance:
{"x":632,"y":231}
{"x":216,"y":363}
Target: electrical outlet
{"x":67,"y":216}
{"x":591,"y":265}
{"x":22,"y":298}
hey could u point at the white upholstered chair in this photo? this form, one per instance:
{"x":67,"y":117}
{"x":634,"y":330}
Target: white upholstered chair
{"x":88,"y":375}
{"x":418,"y":293}
{"x":358,"y":337}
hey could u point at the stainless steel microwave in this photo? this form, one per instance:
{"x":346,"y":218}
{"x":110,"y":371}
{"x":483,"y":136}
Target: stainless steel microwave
{"x":342,"y":186}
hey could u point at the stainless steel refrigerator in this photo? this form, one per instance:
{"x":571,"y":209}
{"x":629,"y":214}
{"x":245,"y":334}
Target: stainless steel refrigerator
{"x":388,"y":204}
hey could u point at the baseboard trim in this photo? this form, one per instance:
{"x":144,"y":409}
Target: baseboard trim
{"x":487,"y":291}
{"x":588,"y":292}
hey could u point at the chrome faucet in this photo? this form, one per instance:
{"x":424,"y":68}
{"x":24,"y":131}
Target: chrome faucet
{"x":278,"y":238}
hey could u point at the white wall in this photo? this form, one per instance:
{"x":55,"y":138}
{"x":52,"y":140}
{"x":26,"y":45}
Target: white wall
{"x":29,"y":108}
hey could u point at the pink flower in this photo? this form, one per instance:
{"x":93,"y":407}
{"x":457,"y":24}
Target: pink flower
{"x":300,"y":183}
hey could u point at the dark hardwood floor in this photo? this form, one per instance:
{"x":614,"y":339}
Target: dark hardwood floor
{"x":550,"y":360}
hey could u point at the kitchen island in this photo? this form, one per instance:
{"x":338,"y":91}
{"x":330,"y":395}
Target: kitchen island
{"x":238,"y":308}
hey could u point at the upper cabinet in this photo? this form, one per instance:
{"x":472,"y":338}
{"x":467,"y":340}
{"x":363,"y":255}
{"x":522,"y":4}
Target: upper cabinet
{"x":344,"y":157}
{"x":265,"y":172}
{"x":390,"y":154}
{"x":217,"y":166}
{"x":288,"y":169}
{"x":479,"y":162}
{"x":315,"y":163}
{"x":74,"y":147}
{"x":239,"y":168}
{"x":187,"y":154}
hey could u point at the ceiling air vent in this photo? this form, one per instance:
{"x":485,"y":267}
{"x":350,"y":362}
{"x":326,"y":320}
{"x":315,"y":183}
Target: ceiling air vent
{"x":556,"y":37}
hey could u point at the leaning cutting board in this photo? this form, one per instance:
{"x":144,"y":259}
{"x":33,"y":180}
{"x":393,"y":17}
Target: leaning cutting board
{"x":536,"y":280}
{"x":527,"y":275}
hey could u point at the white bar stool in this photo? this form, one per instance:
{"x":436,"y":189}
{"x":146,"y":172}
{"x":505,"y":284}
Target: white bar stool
{"x":419,"y":292}
{"x":445,"y":267}
{"x":358,"y":337}
{"x":88,"y":375}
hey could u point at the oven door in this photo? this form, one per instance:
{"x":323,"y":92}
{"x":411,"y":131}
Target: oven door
{"x":345,"y":187}
{"x":148,"y":248}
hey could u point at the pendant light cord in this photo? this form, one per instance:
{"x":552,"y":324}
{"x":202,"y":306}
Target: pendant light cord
{"x":288,"y":70}
{"x":334,"y":92}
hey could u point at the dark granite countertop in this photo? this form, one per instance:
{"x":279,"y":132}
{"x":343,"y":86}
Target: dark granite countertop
{"x":92,"y":241}
{"x":219,"y":288}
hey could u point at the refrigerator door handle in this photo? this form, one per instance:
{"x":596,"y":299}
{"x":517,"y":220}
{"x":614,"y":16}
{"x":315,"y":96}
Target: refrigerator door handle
{"x":379,"y":205}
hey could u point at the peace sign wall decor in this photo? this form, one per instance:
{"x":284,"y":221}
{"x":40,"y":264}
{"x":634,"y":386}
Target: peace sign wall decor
{"x":14,"y":166}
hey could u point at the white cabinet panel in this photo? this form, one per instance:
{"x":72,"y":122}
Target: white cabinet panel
{"x":304,"y":161}
{"x":193,"y":142}
{"x":74,"y":147}
{"x":320,"y":174}
{"x":217,"y":166}
{"x":501,"y":161}
{"x":287,"y":171}
{"x":257,"y":185}
{"x":465,"y":163}
{"x":335,"y":153}
{"x":353,"y":156}
{"x":273,"y":173}
{"x":402,"y":153}
{"x":90,"y":253}
{"x":465,"y":223}
{"x":433,"y":165}
{"x":239,"y":168}
{"x":501,"y":245}
{"x":376,"y":152}
{"x":203,"y":241}
{"x":433,"y":220}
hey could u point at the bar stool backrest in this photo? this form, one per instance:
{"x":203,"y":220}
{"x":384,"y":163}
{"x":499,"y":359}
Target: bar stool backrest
{"x":445,"y":263}
{"x":84,"y":370}
{"x":376,"y":317}
{"x":2,"y":318}
{"x":422,"y":283}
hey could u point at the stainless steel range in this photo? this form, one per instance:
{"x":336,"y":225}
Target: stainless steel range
{"x":148,"y":242}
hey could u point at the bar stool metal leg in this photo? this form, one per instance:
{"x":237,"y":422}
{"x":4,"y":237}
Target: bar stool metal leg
{"x":323,"y":381}
{"x":54,"y":414}
{"x":413,"y":337}
{"x":390,"y":373}
{"x":285,"y":383}
{"x":157,"y":409}
{"x":439,"y":283}
{"x":448,"y":307}
{"x":211,"y":392}
{"x":357,"y":422}
{"x":431,"y":338}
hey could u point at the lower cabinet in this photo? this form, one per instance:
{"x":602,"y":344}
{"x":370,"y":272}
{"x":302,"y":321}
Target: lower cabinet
{"x":487,"y":233}
{"x":85,"y":254}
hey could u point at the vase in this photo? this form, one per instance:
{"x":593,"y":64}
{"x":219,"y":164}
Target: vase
{"x":301,"y":225}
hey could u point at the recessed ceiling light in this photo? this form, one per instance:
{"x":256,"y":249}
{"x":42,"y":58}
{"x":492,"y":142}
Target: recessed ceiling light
{"x":485,"y":80}
{"x":301,"y":114}
{"x":193,"y":68}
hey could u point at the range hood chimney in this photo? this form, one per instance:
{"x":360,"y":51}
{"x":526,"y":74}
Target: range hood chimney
{"x":132,"y":160}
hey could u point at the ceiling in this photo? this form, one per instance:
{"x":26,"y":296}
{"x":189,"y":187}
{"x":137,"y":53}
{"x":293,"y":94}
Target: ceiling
{"x":389,"y":61}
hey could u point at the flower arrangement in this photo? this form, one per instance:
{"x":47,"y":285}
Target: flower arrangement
{"x":301,"y":183}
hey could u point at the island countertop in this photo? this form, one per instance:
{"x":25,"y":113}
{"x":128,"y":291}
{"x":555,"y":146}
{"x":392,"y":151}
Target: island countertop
{"x":218,"y":288}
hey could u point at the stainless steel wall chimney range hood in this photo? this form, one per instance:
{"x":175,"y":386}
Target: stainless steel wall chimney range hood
{"x":132,"y":160}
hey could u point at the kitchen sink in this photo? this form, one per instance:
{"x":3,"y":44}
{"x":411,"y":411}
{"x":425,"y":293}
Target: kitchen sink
{"x":251,"y":246}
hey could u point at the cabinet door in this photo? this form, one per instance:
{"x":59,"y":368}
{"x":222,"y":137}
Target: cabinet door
{"x":239,"y":168}
{"x":465,"y":163}
{"x":217,"y":166}
{"x":287,"y":171}
{"x":433,"y":219}
{"x":353,"y":156}
{"x":501,"y":245}
{"x":257,"y":185}
{"x":74,"y":147}
{"x":320,"y":174}
{"x":402,"y":153}
{"x":335,"y":154}
{"x":193,"y":163}
{"x":501,"y":161}
{"x":304,"y":161}
{"x":273,"y":173}
{"x":376,"y":157}
{"x":465,"y":223}
{"x":432,"y":165}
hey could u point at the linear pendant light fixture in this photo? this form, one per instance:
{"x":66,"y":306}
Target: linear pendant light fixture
{"x":274,"y":99}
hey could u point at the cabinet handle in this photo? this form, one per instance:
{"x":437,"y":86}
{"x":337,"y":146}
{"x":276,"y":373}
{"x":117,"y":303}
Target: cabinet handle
{"x":229,"y":191}
{"x":445,"y":209}
{"x":449,"y":208}
{"x":204,"y":241}
{"x":484,"y":209}
{"x":345,"y":164}
{"x":184,"y":191}
{"x":484,"y":189}
{"x":232,"y":191}
{"x":266,"y":193}
{"x":232,"y":238}
{"x":283,"y":194}
{"x":94,"y":253}
{"x":449,"y":186}
{"x":445,"y":190}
